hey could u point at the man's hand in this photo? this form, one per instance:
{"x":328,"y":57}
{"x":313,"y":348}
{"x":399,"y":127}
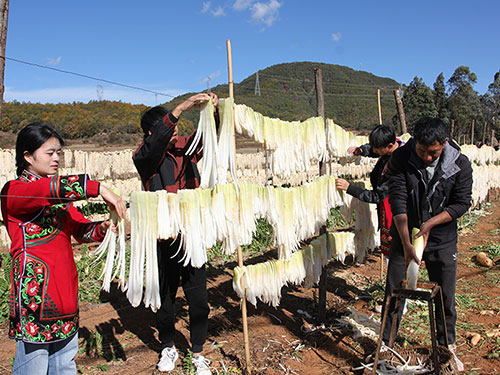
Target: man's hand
{"x":410,"y":254}
{"x":425,"y":230}
{"x":341,"y":184}
{"x":194,"y":101}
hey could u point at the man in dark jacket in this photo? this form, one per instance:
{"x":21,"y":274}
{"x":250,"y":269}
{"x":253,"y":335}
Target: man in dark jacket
{"x":383,"y":143}
{"x":430,"y":187}
{"x":162,"y":163}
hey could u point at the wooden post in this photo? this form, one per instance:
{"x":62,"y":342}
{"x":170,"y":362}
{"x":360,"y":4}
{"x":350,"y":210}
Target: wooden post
{"x":472,"y":132}
{"x":401,"y":112}
{"x":4,"y":14}
{"x":379,"y":108}
{"x":453,"y":129}
{"x":484,"y":131}
{"x":239,"y":252}
{"x":318,"y":79}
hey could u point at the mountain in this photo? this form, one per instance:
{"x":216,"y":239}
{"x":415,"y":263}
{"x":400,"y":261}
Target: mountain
{"x":288,"y":92}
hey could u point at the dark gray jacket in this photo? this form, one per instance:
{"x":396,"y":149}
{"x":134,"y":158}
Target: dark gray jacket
{"x":449,"y":190}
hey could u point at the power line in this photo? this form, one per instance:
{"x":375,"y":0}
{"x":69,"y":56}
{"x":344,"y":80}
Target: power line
{"x":86,"y":76}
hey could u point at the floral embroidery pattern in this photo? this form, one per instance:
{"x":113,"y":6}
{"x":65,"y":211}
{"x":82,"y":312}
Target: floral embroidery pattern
{"x":72,"y":189}
{"x":31,"y":293}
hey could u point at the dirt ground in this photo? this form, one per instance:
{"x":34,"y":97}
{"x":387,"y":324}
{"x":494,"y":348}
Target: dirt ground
{"x":116,"y":338}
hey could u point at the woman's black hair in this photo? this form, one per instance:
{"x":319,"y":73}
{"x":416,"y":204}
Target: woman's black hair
{"x":151,"y":117}
{"x":382,"y":136}
{"x":428,"y":130}
{"x":30,"y":139}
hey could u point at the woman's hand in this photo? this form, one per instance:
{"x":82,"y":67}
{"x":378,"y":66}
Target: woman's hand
{"x":103,"y":227}
{"x":113,"y":201}
{"x":341,"y":184}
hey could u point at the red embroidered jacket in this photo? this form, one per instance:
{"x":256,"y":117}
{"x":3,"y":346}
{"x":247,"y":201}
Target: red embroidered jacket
{"x":40,"y":220}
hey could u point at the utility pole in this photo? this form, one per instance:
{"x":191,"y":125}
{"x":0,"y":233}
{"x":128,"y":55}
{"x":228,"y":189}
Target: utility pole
{"x":401,"y":111}
{"x":318,"y":79}
{"x":4,"y":14}
{"x":472,"y":132}
{"x":379,"y":108}
{"x":257,"y":84}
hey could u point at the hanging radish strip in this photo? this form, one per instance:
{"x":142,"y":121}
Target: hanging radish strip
{"x":264,"y":281}
{"x":143,"y":237}
{"x":295,"y":145}
{"x":339,"y":139}
{"x":113,"y":261}
{"x":195,"y":252}
{"x":226,"y":151}
{"x":207,"y":130}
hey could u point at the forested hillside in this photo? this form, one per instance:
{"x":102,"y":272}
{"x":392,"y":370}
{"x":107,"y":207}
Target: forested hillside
{"x":287,"y":92}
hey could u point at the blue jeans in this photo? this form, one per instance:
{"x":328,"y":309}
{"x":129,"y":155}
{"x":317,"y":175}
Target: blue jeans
{"x":46,"y":359}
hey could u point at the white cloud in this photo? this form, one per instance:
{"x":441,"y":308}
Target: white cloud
{"x":87,"y":93}
{"x":265,"y":13}
{"x":52,"y":61}
{"x":336,"y":36}
{"x":206,"y":7}
{"x":242,"y":4}
{"x":218,"y":12}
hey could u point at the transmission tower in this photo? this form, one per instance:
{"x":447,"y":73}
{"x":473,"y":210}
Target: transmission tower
{"x":257,"y":84}
{"x":100,"y":91}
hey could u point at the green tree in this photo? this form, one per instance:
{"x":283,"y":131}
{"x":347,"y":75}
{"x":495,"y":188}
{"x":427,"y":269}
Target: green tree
{"x":464,"y":102}
{"x":441,"y":100}
{"x":418,"y":101}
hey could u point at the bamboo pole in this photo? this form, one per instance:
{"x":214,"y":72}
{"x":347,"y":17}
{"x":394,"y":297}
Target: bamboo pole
{"x":379,"y":108}
{"x":239,"y":251}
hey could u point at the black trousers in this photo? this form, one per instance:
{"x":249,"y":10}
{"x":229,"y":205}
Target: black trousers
{"x":194,"y":283}
{"x":441,"y":267}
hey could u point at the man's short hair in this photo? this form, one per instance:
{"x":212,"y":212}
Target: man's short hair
{"x":382,"y":136}
{"x":428,"y":130}
{"x":151,"y":117}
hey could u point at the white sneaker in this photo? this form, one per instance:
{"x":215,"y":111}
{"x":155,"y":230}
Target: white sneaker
{"x":201,"y":364}
{"x":168,"y":358}
{"x":460,"y":365}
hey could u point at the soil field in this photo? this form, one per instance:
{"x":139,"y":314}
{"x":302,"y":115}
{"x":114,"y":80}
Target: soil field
{"x":116,"y":338}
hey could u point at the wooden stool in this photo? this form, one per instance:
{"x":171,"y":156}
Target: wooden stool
{"x":426,"y":291}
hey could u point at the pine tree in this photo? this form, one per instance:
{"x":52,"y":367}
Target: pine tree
{"x":418,"y":101}
{"x":463,"y":100}
{"x":440,"y":99}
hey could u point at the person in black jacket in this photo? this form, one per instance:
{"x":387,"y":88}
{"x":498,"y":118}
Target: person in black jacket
{"x":430,"y":187}
{"x":383,"y":143}
{"x":162,"y":164}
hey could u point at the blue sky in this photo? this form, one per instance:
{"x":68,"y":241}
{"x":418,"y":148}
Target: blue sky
{"x":173,"y":46}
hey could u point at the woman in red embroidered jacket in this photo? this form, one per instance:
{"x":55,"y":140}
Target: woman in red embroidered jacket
{"x":40,"y":220}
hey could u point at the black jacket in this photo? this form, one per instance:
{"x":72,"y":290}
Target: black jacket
{"x":449,"y":190}
{"x":378,"y":179}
